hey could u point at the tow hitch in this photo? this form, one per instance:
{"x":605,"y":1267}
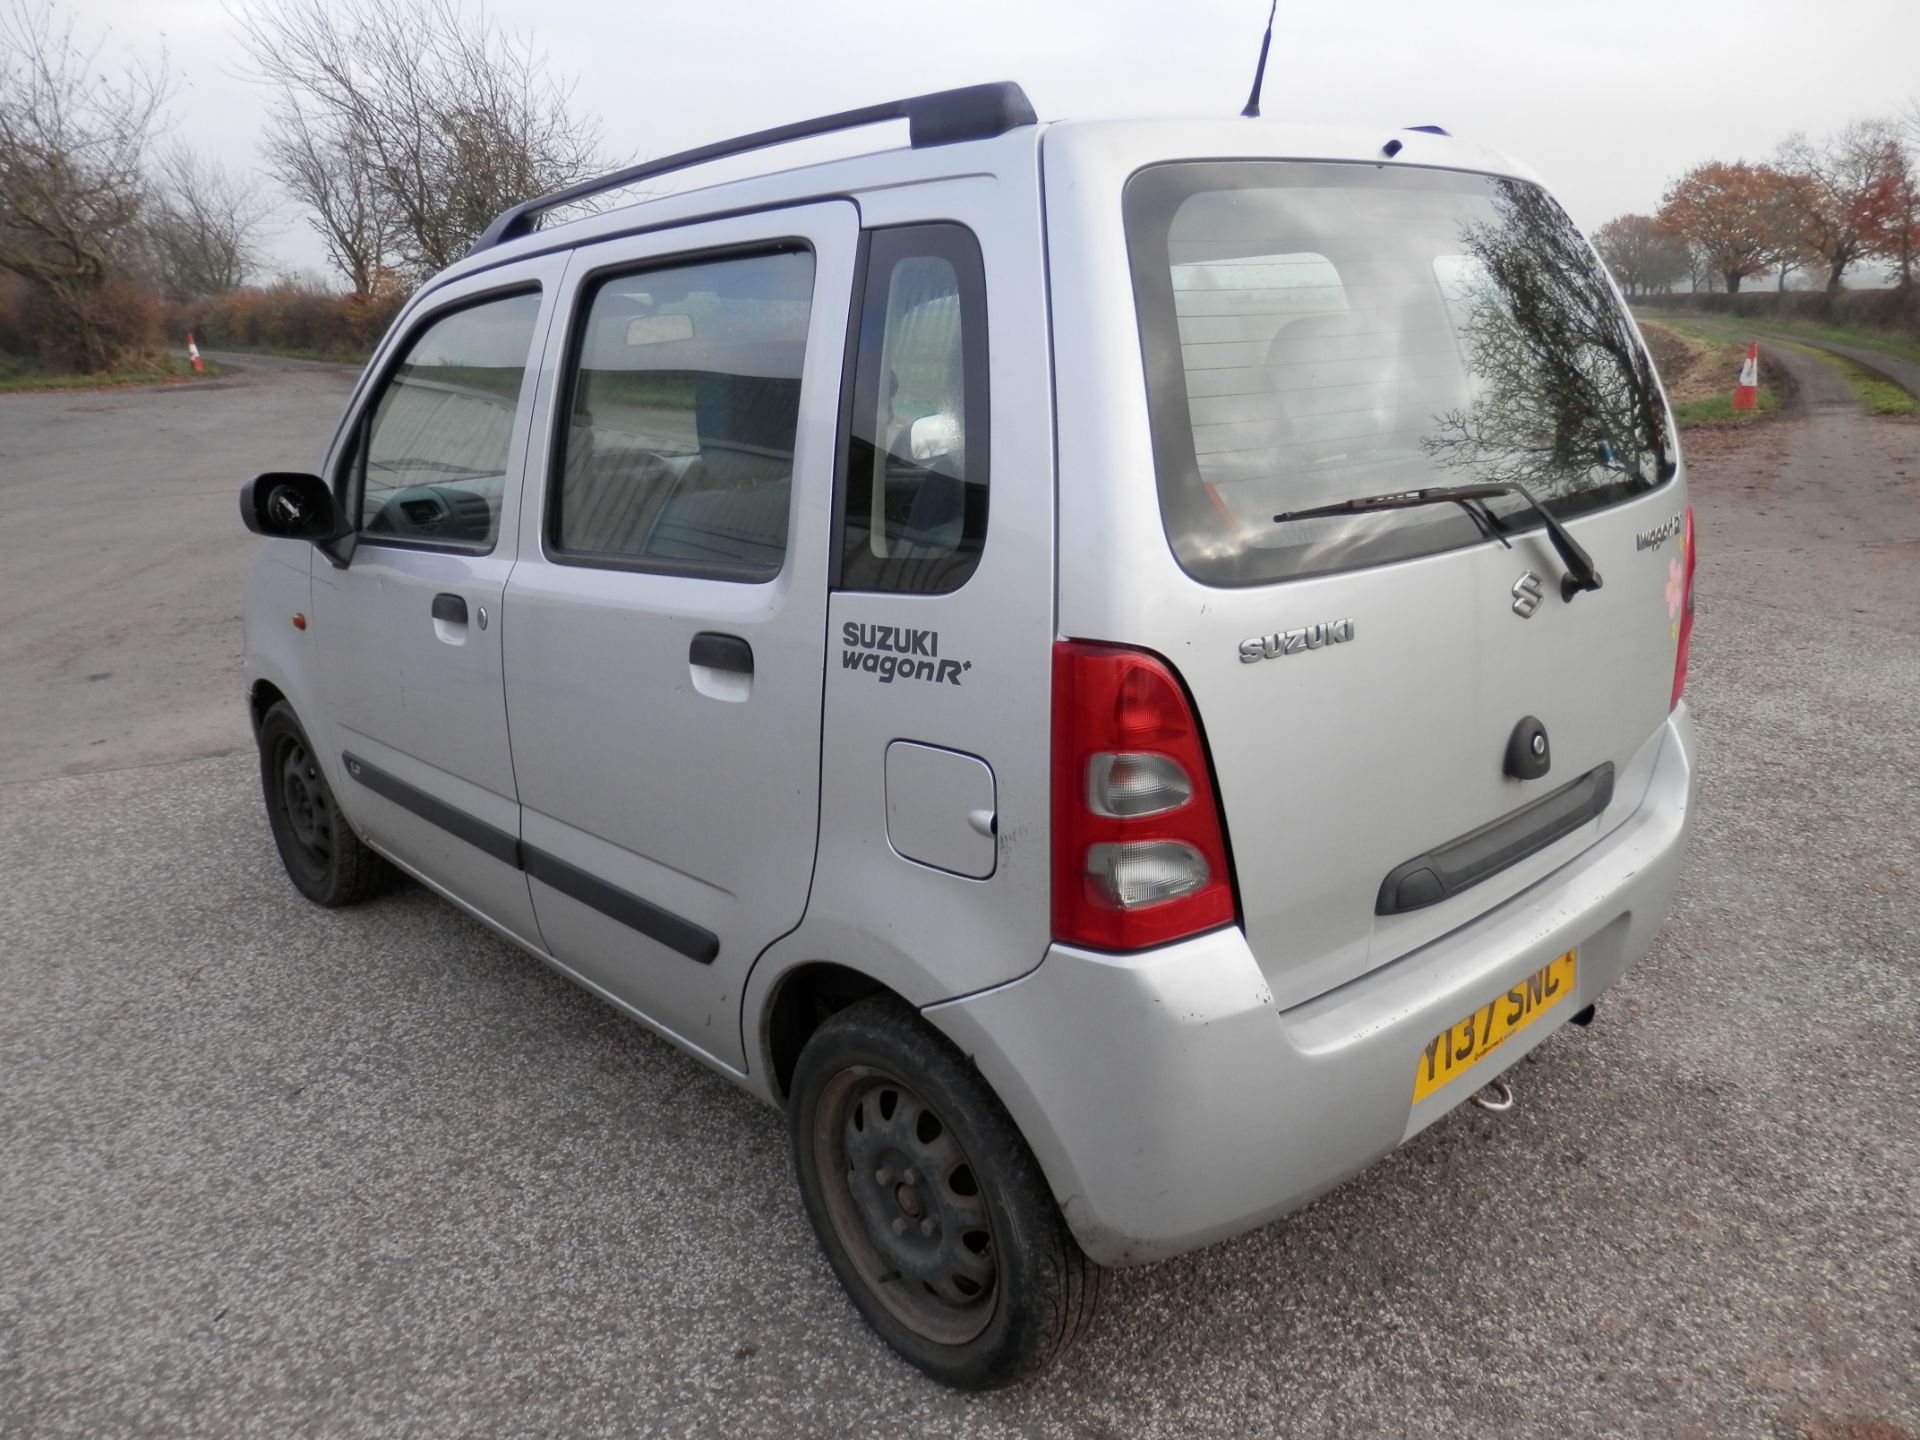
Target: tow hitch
{"x":1496,"y":1096}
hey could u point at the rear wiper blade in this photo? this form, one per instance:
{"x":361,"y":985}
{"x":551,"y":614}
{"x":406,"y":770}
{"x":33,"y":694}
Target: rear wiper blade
{"x":1581,"y":572}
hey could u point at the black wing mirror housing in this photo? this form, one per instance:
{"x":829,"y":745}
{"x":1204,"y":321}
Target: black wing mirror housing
{"x":287,"y":505}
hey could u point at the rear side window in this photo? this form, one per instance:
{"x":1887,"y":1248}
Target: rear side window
{"x":438,"y":438}
{"x":682,"y":404}
{"x":1317,"y":333}
{"x":914,"y":480}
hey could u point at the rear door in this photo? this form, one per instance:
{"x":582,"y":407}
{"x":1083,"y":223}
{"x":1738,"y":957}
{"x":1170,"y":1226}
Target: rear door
{"x":1316,"y":333}
{"x":665,"y":645}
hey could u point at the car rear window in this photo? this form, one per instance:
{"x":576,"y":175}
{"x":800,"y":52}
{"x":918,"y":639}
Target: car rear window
{"x":1314,"y":333}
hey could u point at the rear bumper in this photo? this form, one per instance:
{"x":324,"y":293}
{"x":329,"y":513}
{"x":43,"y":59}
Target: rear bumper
{"x":1171,"y":1104}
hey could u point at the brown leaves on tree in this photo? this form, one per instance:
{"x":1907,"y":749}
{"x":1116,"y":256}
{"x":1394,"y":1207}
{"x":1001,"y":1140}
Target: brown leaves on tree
{"x":1731,"y":212}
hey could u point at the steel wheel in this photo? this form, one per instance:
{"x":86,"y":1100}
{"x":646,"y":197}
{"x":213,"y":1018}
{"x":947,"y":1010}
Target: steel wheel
{"x":324,"y":858}
{"x":302,"y":801}
{"x":909,"y":1209}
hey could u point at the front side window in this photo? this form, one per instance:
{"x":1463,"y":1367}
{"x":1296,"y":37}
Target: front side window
{"x":683,"y":402}
{"x":1315,"y":333}
{"x":433,"y":458}
{"x":915,"y":469}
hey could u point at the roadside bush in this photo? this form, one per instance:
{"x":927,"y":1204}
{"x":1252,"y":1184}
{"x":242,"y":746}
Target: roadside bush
{"x":368,"y":317}
{"x":78,"y":330}
{"x":15,"y":338}
{"x":288,"y":316}
{"x":81,"y":330}
{"x":1890,"y":312}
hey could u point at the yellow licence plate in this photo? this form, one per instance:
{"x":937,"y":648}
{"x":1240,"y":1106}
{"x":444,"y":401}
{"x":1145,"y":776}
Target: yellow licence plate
{"x":1465,"y":1043}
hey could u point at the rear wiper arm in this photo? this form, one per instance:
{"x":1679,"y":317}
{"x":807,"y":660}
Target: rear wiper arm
{"x":1581,"y":572}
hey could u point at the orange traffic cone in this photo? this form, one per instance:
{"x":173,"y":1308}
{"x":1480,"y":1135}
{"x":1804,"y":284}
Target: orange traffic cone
{"x":200,"y":366}
{"x":1747,"y":392}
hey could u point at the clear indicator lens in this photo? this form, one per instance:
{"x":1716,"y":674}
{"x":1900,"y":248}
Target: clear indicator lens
{"x":1127,"y":784}
{"x":1147,"y":872}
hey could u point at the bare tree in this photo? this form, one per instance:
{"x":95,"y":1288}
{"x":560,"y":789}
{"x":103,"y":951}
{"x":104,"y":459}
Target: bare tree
{"x":73,"y":154}
{"x":1699,"y":267}
{"x":1562,"y":385}
{"x":456,"y":118}
{"x":204,"y":226}
{"x":1906,"y":253}
{"x":329,"y":170}
{"x":1842,"y":188}
{"x":1642,"y":256}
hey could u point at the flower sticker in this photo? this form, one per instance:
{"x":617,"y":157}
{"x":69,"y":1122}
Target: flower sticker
{"x":1676,"y":595}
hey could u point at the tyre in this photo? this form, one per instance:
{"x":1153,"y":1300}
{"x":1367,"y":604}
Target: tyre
{"x":929,"y":1204}
{"x":324,"y":858}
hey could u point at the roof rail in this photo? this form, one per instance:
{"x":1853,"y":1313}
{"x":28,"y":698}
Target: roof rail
{"x":973,"y":112}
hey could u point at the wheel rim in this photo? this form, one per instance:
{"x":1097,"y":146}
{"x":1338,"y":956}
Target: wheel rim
{"x":906,"y":1204}
{"x":303,"y":804}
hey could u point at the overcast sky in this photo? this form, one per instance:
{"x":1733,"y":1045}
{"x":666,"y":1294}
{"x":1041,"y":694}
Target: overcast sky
{"x":1608,"y":100}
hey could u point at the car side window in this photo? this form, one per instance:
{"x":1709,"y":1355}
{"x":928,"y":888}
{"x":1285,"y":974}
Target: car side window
{"x":683,"y":401}
{"x":431,"y":462}
{"x":914,"y":479}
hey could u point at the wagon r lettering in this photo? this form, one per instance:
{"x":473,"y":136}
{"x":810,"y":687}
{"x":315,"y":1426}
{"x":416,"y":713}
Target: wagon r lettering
{"x":1659,"y":535}
{"x":893,"y":652}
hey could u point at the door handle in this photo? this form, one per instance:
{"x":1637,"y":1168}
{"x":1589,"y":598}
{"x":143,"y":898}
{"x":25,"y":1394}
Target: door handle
{"x":721,"y":652}
{"x":450,"y":608}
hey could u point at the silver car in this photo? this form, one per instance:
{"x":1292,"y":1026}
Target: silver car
{"x":1114,"y":671}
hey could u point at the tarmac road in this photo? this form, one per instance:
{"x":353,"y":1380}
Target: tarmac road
{"x":267,"y":1170}
{"x":122,"y":563}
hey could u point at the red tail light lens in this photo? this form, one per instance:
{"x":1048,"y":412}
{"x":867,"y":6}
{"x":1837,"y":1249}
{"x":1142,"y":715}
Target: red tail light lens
{"x":1683,"y":631}
{"x":1139,"y":855}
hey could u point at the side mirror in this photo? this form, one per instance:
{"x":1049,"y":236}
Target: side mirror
{"x":289,"y":506}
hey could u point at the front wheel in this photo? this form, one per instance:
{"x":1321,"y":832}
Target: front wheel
{"x":324,"y":858}
{"x":929,"y":1204}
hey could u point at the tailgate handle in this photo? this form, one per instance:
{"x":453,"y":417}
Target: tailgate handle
{"x":1446,"y":870}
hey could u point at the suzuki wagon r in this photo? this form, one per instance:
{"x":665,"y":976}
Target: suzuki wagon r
{"x":1115,"y":671}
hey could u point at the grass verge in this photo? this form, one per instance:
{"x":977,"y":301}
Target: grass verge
{"x":1719,"y":326}
{"x":289,"y":352}
{"x":18,"y":375}
{"x":1717,"y":409}
{"x":1687,"y":326}
{"x":1877,"y":394}
{"x":1699,"y":368}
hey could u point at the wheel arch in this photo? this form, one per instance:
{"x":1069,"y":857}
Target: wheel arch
{"x":814,"y":971}
{"x":801,"y":1001}
{"x":262,"y":696}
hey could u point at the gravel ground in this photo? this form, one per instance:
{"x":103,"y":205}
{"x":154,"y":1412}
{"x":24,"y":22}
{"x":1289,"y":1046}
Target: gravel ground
{"x":267,"y":1170}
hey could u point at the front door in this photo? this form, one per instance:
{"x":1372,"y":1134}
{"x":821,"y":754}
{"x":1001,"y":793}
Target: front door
{"x":665,"y":646}
{"x":409,"y":629}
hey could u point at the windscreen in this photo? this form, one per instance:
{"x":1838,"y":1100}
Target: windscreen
{"x":1315,"y":333}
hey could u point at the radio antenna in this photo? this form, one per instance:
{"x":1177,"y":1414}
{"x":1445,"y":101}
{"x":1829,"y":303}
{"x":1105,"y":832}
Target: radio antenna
{"x":1252,"y":112}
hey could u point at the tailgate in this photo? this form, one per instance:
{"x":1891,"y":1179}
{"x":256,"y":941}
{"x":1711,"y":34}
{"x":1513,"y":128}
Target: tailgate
{"x":1314,"y":334}
{"x":1339,"y":762}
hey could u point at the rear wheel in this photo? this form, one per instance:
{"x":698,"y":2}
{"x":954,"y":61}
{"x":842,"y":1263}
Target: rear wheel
{"x":929,"y":1204}
{"x":324,"y":858}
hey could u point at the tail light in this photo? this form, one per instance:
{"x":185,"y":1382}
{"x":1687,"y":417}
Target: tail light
{"x":1684,"y":633}
{"x":1139,"y":855}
